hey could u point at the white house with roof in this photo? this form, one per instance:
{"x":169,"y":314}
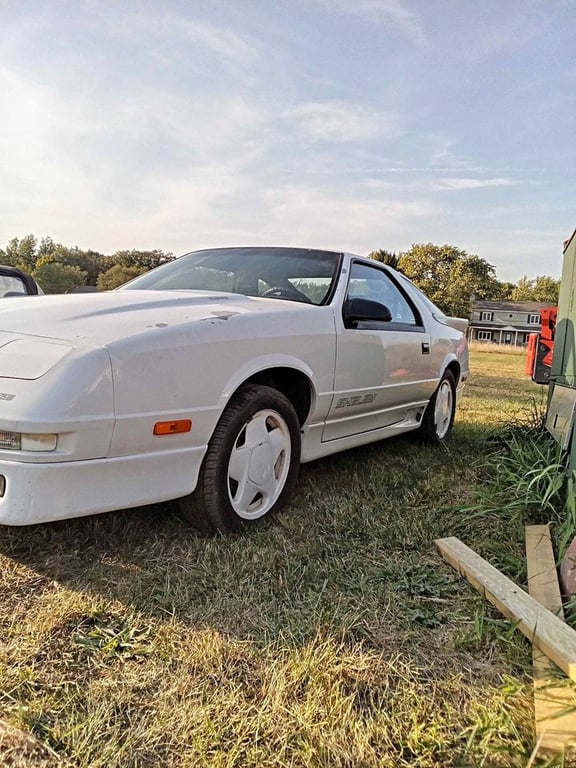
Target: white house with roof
{"x":505,"y":322}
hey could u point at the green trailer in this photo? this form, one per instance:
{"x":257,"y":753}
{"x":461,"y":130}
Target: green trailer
{"x":562,"y":394}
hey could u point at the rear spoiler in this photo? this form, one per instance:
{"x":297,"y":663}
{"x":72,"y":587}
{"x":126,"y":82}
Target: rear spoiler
{"x":459,"y":323}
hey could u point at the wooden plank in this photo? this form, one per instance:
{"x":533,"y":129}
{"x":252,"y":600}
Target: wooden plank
{"x":554,"y":699}
{"x":545,"y":630}
{"x":542,"y":574}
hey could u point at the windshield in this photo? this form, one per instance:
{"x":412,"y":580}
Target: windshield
{"x":296,"y":274}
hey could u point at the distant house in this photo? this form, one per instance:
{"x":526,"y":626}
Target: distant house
{"x":505,"y":322}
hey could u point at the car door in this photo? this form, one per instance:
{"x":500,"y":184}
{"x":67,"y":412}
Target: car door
{"x":384,"y":369}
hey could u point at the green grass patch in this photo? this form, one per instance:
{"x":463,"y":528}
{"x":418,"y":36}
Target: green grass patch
{"x":333,"y":636}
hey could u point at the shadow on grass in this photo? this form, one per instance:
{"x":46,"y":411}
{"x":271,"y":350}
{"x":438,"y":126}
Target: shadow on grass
{"x":338,"y":556}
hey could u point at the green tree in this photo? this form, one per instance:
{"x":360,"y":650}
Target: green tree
{"x":471,"y":278}
{"x":118,"y":275}
{"x":506,"y":290}
{"x":385,"y":257}
{"x":523,"y":290}
{"x":47,"y":247}
{"x":143,"y":260}
{"x":547,"y":289}
{"x":57,"y":278}
{"x":449,"y":276}
{"x":22,"y":253}
{"x":429,"y":267}
{"x":28,"y":254}
{"x":87,"y":261}
{"x":543,"y":288}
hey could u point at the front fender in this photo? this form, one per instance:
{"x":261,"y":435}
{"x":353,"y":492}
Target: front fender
{"x":260,"y":364}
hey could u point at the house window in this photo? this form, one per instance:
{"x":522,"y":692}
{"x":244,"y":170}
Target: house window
{"x":489,"y":316}
{"x":533,"y":319}
{"x":484,"y":335}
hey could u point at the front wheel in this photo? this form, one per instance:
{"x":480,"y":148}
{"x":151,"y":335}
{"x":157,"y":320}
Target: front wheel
{"x":438,"y":417}
{"x":252,"y":462}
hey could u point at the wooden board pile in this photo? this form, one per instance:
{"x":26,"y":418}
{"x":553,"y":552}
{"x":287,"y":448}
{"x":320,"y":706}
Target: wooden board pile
{"x":538,"y":615}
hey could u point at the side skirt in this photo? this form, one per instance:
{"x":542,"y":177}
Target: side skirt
{"x":313,"y":448}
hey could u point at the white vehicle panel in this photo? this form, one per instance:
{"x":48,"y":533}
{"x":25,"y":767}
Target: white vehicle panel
{"x":380,"y":377}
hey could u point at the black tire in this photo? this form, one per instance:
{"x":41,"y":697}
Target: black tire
{"x":438,"y":418}
{"x":252,"y":462}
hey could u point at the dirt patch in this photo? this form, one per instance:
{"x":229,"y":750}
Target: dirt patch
{"x":19,"y":749}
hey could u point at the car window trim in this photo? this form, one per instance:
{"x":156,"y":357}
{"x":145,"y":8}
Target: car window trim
{"x":377,"y":325}
{"x":335,"y":281}
{"x":380,"y":325}
{"x":27,"y":280}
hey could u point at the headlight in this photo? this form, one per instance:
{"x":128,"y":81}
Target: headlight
{"x":21,"y":441}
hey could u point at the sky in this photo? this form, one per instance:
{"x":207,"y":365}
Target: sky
{"x":343,"y":124}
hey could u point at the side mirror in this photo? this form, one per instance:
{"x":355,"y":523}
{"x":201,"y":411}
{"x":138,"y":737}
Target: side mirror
{"x":357,"y":310}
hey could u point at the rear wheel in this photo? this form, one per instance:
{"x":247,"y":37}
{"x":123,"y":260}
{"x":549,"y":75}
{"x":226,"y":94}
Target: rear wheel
{"x":438,"y":417}
{"x":252,"y":462}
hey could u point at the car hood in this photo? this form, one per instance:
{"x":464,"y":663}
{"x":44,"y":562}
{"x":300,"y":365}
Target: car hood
{"x":101,"y":318}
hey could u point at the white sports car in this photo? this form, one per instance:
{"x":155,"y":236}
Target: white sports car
{"x":211,"y":378}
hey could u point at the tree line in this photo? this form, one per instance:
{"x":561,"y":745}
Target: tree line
{"x":448,"y":275}
{"x":59,"y":268}
{"x":453,"y":279}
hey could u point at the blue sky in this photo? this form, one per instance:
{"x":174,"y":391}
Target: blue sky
{"x":346,"y":124}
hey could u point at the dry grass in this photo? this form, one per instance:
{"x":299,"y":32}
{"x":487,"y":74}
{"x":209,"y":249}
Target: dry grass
{"x":484,"y":347}
{"x":333,"y":637}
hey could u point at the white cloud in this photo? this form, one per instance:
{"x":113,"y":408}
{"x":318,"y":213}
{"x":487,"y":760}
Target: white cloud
{"x":471,"y":183}
{"x":220,"y":40}
{"x":341,"y":218}
{"x":340,"y":121}
{"x":396,"y":11}
{"x":126,"y":170}
{"x":37,"y":132}
{"x":156,"y":30}
{"x":517,"y":253}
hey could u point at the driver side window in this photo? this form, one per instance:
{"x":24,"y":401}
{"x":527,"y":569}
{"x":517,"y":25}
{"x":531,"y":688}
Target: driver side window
{"x":371,"y":283}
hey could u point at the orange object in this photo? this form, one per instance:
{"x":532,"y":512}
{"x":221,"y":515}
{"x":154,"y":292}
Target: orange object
{"x":531,"y":354}
{"x":541,"y":347}
{"x":548,"y":316}
{"x":172,"y":427}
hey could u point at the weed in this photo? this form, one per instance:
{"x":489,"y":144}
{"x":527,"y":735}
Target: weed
{"x":112,"y":636}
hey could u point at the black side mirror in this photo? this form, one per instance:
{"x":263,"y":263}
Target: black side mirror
{"x":357,"y":310}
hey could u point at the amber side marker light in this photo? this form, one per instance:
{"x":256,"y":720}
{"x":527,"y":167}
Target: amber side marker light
{"x":172,"y":427}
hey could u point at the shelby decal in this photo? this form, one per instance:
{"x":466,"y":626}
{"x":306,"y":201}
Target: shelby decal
{"x":6,"y":396}
{"x":346,"y":402}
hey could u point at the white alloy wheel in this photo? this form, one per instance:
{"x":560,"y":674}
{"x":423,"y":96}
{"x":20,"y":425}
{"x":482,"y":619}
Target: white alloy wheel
{"x":259,"y":464}
{"x":251,"y":465}
{"x":438,"y":417}
{"x":443,"y":409}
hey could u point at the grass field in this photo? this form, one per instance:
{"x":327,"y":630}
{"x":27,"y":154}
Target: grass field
{"x":334,"y":636}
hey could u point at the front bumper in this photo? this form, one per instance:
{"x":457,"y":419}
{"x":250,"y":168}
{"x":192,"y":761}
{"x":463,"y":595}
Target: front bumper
{"x":39,"y":493}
